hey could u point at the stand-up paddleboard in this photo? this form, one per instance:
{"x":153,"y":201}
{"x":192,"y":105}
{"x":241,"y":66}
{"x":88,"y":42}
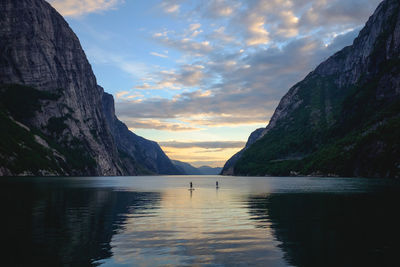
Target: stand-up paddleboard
{"x":191,"y":186}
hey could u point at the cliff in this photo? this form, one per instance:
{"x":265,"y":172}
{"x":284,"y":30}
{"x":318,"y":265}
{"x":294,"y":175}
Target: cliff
{"x":51,"y":108}
{"x":137,"y":153}
{"x":343,"y":118}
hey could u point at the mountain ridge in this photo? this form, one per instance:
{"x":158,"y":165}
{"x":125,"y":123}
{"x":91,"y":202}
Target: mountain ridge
{"x":189,"y":169}
{"x":342,"y":118}
{"x":51,"y":107}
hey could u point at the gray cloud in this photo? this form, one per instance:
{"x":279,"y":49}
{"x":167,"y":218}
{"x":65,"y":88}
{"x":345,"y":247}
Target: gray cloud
{"x":219,"y":8}
{"x":184,"y":44}
{"x":241,"y":84}
{"x":248,"y":90}
{"x":266,"y":21}
{"x":211,"y":163}
{"x":207,"y":145}
{"x":336,"y":13}
{"x":186,"y":76}
{"x":157,"y":125}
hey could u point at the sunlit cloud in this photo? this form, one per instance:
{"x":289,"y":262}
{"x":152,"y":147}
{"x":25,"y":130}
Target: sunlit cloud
{"x":220,"y":8}
{"x":158,"y":125}
{"x":76,"y":8}
{"x":128,"y":95}
{"x":186,"y":45}
{"x":257,"y":34}
{"x":158,"y":54}
{"x":203,"y":144}
{"x":194,"y":26}
{"x":221,"y":35}
{"x":170,"y":6}
{"x":185,"y":76}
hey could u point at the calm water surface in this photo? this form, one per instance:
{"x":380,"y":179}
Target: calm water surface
{"x":157,"y":221}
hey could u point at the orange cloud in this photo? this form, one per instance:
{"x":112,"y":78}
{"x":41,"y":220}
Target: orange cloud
{"x":74,"y":8}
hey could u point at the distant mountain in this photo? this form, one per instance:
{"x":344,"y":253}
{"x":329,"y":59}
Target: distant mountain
{"x":55,"y":119}
{"x":343,"y":118}
{"x":188,"y":169}
{"x":206,"y":170}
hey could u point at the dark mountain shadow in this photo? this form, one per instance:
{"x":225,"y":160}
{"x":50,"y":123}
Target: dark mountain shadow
{"x":63,"y":226}
{"x":332,"y":229}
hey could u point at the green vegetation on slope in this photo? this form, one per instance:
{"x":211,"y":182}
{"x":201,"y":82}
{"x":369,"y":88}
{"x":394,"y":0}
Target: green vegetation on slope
{"x":21,"y":152}
{"x":332,"y":132}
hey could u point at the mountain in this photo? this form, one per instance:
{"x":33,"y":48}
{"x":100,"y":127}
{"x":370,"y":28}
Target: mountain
{"x":147,"y":156}
{"x":343,"y":118}
{"x":207,"y":170}
{"x":188,"y":169}
{"x":51,"y":108}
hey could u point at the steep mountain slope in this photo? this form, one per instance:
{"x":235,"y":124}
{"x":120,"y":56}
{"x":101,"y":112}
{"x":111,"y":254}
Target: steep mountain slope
{"x":51,"y":108}
{"x":228,"y":168}
{"x":343,"y":118}
{"x":136,"y":152}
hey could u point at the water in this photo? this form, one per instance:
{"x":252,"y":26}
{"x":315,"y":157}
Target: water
{"x":157,"y":221}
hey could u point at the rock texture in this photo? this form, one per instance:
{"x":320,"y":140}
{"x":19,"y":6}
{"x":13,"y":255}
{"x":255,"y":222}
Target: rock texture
{"x":137,"y":153}
{"x":51,"y":107}
{"x":343,"y":118}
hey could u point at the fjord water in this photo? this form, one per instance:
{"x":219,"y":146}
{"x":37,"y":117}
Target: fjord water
{"x":157,"y":221}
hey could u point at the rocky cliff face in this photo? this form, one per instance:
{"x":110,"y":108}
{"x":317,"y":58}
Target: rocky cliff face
{"x":343,"y":118}
{"x":138,"y":154}
{"x":51,"y":107}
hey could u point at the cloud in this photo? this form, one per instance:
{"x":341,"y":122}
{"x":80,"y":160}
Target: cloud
{"x":210,"y":163}
{"x":187,"y":45}
{"x":237,"y":59}
{"x":256,"y":33}
{"x":186,"y":76}
{"x":238,"y":89}
{"x":203,"y":144}
{"x":157,"y":125}
{"x":220,"y":8}
{"x":219,"y":34}
{"x":170,"y":6}
{"x":228,"y":120}
{"x":127,"y":95}
{"x":194,"y":26}
{"x":75,"y":8}
{"x":158,"y":54}
{"x":336,"y":12}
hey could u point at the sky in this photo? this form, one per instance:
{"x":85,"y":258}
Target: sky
{"x":199,"y":76}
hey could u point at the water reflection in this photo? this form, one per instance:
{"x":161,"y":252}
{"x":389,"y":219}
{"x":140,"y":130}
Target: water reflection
{"x":332,"y":229}
{"x":156,"y":221}
{"x":203,"y":227}
{"x":58,"y":225}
